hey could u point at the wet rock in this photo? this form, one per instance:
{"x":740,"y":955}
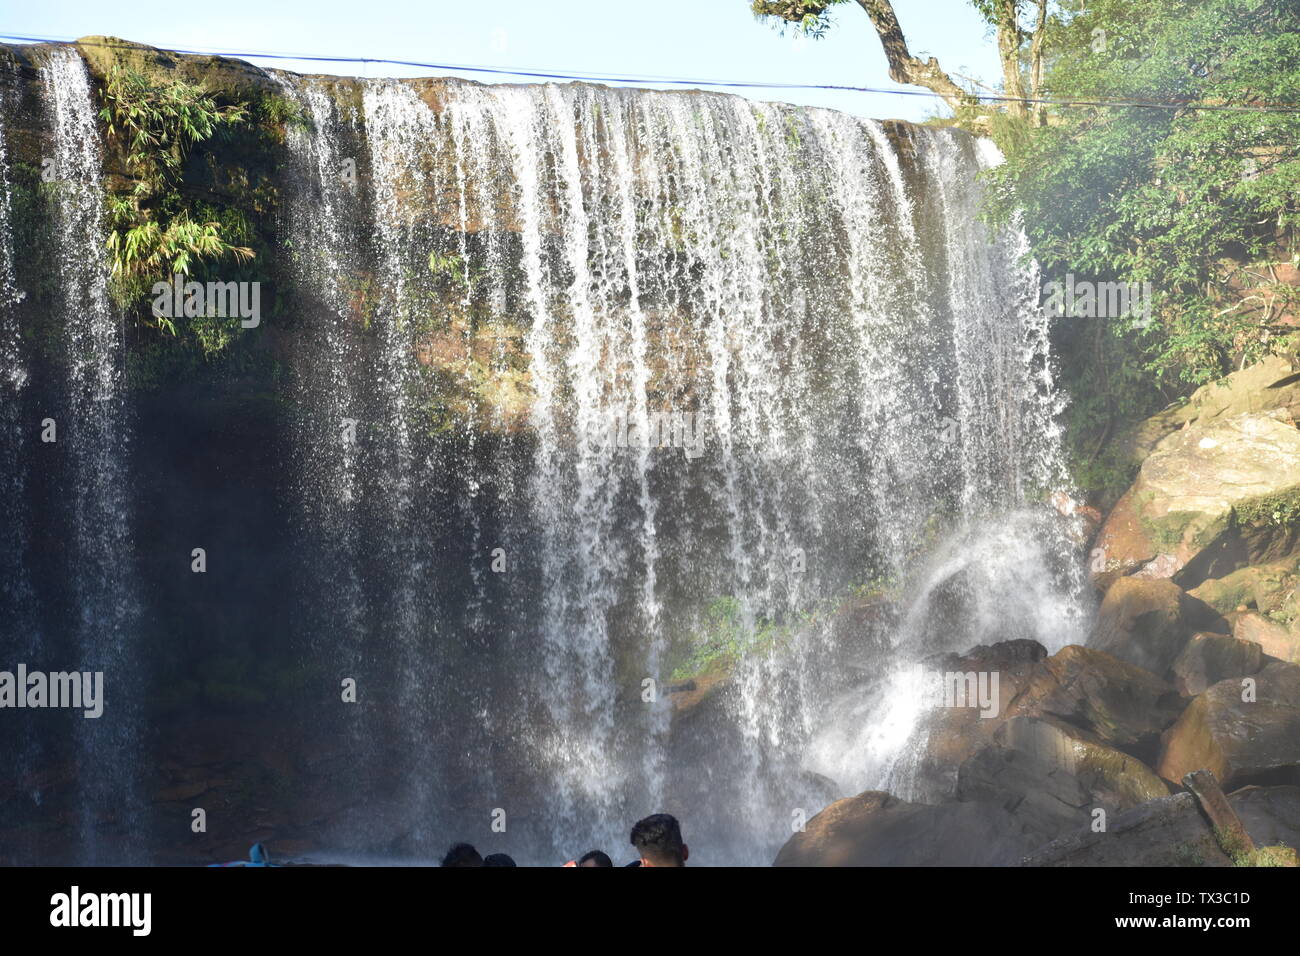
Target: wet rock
{"x":953,"y":734}
{"x":1240,"y":741}
{"x":1271,"y":815}
{"x":1052,"y":776}
{"x":1123,"y":704}
{"x":1122,"y":546}
{"x":877,"y":829}
{"x":1169,"y":831}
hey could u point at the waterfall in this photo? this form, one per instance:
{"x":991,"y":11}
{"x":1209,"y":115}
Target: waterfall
{"x":849,"y":370}
{"x":94,"y":433}
{"x":633,"y":448}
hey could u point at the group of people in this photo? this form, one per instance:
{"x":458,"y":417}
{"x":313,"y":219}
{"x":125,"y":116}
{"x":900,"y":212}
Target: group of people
{"x":657,"y":840}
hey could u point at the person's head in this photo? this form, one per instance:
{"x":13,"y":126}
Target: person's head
{"x":498,"y":859}
{"x":658,"y":839}
{"x":462,"y":854}
{"x":595,"y":858}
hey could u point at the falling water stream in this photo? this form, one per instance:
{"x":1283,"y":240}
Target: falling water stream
{"x":814,"y":293}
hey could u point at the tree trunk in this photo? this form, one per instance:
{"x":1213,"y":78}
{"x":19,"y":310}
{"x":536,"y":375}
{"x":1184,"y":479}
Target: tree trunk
{"x":905,"y":68}
{"x":1038,"y":110}
{"x":1009,"y":39}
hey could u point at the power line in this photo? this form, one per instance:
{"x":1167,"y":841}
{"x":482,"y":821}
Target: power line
{"x":585,"y":77}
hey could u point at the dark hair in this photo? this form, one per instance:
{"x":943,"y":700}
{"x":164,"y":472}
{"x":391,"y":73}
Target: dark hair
{"x":462,"y":854}
{"x":659,"y":838}
{"x":498,"y":859}
{"x":596,"y":858}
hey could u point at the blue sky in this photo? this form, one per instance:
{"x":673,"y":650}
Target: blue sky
{"x":717,"y":39}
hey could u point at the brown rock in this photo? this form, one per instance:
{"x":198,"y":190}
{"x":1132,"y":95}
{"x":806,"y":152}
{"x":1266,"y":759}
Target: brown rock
{"x":1240,"y":741}
{"x":1053,"y":776}
{"x":1122,"y":546}
{"x":953,"y":734}
{"x":877,"y":829}
{"x":1210,"y":658}
{"x":1123,"y":704}
{"x":1169,"y":831}
{"x":1274,"y":639}
{"x":1147,"y":622}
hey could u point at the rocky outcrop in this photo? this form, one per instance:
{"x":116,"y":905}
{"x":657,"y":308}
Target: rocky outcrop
{"x":1270,"y":386}
{"x":876,"y":829}
{"x":953,"y":734}
{"x":1268,"y":588}
{"x":1119,"y":704}
{"x":1052,"y":776}
{"x":1122,"y":546}
{"x":1244,"y":730}
{"x":1173,"y":831}
{"x":1271,"y":815}
{"x":1169,"y":831}
{"x":1122,"y":704}
{"x":1210,"y":499}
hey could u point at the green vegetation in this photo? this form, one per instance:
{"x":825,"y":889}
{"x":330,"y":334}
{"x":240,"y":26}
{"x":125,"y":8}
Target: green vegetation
{"x":1241,"y":855}
{"x":1198,"y":202}
{"x":154,"y":231}
{"x":724,"y":638}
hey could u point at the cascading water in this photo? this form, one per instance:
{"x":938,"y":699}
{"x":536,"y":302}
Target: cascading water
{"x":849,"y":370}
{"x":94,"y":430}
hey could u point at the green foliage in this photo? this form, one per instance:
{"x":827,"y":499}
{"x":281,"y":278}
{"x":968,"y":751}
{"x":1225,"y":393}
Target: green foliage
{"x":153,"y":232}
{"x":156,"y":125}
{"x":1182,"y":198}
{"x":808,"y":16}
{"x":722,"y":639}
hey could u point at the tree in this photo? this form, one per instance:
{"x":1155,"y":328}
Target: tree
{"x":1195,"y":193}
{"x":1005,"y":16}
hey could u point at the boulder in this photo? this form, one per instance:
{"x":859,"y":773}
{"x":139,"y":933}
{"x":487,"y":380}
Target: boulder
{"x":1240,"y":741}
{"x":953,"y":734}
{"x":1124,"y":705}
{"x":877,"y":829}
{"x":1270,"y":386}
{"x":1220,"y":495}
{"x":1169,"y":831}
{"x":1052,"y":776}
{"x":1147,"y":622}
{"x":1210,"y":658}
{"x":1280,"y":641}
{"x":1271,"y":815}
